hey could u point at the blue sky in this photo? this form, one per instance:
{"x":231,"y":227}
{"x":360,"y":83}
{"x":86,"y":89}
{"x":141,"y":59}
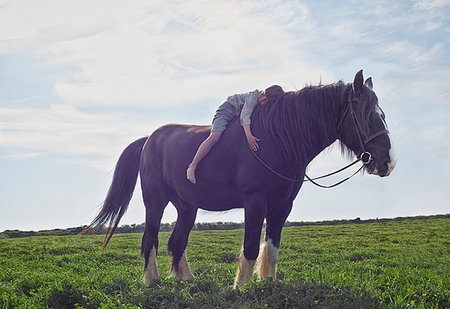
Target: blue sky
{"x":80,"y":80}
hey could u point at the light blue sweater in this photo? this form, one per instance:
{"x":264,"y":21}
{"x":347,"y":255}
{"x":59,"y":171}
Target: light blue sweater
{"x":245,"y":102}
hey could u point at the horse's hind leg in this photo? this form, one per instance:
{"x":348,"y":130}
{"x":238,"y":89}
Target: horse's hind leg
{"x":154,"y":206}
{"x":178,"y":242}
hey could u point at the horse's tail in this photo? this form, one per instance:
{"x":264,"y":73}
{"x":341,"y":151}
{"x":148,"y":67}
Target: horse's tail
{"x":120,"y":191}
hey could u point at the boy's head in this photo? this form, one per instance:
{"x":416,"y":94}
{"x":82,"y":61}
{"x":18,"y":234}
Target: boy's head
{"x":273,"y":93}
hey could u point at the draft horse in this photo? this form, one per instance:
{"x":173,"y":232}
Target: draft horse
{"x":293,"y":129}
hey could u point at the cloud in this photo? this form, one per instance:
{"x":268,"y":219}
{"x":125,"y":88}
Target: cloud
{"x":89,"y":77}
{"x":138,"y":56}
{"x":63,"y":130}
{"x":149,"y":56}
{"x":4,"y":3}
{"x":431,"y":4}
{"x":143,"y":57}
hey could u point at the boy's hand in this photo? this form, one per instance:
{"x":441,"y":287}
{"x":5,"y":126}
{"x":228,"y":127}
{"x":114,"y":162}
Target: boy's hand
{"x":253,"y":142}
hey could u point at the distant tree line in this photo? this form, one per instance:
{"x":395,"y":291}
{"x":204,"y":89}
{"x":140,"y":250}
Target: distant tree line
{"x":359,"y":221}
{"x":168,"y":227}
{"x":55,"y":232}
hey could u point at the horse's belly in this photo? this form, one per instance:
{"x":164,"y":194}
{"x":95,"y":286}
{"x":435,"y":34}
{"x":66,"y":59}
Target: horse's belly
{"x":209,"y":197}
{"x":220,"y":206}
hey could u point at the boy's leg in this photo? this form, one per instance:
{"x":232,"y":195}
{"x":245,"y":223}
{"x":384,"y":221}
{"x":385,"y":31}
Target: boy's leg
{"x":202,"y":151}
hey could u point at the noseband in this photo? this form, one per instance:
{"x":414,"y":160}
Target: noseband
{"x":364,"y":156}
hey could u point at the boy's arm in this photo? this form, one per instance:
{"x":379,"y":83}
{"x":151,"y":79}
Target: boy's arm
{"x":252,"y":140}
{"x":250,"y":103}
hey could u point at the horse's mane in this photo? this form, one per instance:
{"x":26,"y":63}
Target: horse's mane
{"x":301,"y":121}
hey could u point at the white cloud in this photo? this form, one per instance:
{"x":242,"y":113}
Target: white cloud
{"x":121,"y":69}
{"x":431,"y":4}
{"x":63,"y":130}
{"x":154,"y":55}
{"x":142,"y":54}
{"x":148,"y":54}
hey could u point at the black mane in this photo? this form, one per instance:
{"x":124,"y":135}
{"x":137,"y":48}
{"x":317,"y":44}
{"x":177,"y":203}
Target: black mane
{"x":301,"y":120}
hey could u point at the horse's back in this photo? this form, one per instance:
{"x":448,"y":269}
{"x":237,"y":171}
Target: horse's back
{"x":170,"y":150}
{"x":172,"y":144}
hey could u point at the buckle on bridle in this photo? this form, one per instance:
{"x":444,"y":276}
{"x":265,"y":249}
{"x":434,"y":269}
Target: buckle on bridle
{"x":365,"y":157}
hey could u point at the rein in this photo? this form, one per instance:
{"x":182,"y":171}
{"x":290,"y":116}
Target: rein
{"x":312,"y":180}
{"x":365,"y":157}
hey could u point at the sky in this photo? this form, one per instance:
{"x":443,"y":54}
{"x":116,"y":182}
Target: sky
{"x":80,"y":80}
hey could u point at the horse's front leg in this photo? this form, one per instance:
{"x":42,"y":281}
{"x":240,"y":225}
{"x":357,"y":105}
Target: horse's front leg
{"x":267,"y":260}
{"x":255,"y":211}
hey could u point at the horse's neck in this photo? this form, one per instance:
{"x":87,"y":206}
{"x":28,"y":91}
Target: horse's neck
{"x":325,"y":117}
{"x":300,"y":126}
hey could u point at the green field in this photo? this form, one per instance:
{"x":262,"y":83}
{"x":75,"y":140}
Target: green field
{"x":394,"y":264}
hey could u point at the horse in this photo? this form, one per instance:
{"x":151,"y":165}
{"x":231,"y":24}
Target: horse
{"x":293,"y":128}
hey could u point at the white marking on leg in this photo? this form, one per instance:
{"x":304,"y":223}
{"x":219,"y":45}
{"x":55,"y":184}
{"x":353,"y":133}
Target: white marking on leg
{"x":151,"y":271}
{"x":183,"y":269}
{"x":184,"y":273}
{"x":267,"y":260}
{"x":244,"y":272}
{"x":172,"y":272}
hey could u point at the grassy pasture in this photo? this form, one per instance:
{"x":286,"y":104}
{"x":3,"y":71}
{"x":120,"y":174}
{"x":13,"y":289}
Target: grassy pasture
{"x":398,"y":264}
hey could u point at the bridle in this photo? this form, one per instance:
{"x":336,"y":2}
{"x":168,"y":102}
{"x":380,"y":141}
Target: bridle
{"x":364,"y":156}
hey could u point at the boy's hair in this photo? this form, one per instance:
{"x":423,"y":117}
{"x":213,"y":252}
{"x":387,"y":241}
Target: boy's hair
{"x":273,"y":93}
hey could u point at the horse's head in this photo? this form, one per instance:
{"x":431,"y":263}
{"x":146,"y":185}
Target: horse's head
{"x":363,"y":129}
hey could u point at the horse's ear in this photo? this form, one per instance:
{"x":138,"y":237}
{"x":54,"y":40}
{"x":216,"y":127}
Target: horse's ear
{"x":368,"y":83}
{"x":358,"y":82}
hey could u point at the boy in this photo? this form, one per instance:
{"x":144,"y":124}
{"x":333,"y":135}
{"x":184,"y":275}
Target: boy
{"x":238,"y":105}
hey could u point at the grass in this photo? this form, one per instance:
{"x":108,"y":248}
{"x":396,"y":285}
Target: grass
{"x":401,"y":264}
